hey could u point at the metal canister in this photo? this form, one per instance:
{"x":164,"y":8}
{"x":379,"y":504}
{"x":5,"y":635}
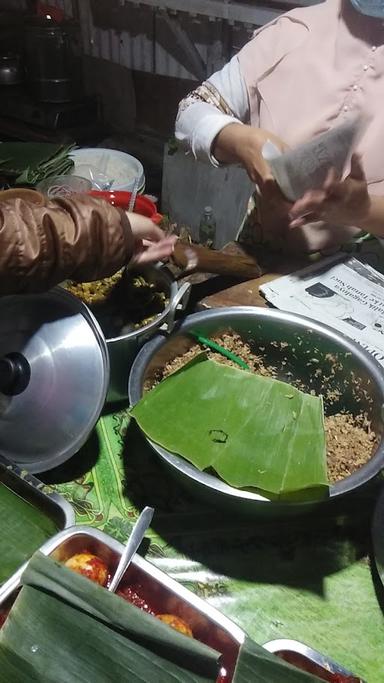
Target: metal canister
{"x":11,"y":72}
{"x":53,"y":61}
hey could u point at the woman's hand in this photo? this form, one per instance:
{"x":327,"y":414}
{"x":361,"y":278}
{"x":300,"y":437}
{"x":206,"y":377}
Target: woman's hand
{"x":250,"y":152}
{"x":151,"y":243}
{"x":343,"y":202}
{"x":243,"y":144}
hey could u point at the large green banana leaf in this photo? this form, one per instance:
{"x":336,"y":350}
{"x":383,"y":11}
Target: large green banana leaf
{"x":23,"y":529}
{"x":31,"y":162}
{"x":65,"y":629}
{"x":252,"y":431}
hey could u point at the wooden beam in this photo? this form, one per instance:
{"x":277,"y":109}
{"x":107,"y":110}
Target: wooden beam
{"x":225,"y":9}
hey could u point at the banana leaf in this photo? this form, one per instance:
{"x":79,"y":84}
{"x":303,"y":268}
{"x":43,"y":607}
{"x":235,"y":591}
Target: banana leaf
{"x":253,"y":431}
{"x":64,"y":628}
{"x":256,"y":665}
{"x":24,"y":528}
{"x":31,"y":162}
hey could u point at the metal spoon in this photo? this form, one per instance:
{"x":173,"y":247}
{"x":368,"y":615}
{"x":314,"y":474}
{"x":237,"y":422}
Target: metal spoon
{"x":135,"y":538}
{"x":134,"y":192}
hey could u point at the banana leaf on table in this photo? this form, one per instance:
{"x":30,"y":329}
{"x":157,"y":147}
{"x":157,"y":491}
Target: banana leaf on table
{"x":64,"y":628}
{"x":31,"y":162}
{"x":23,"y":529}
{"x":253,"y":431}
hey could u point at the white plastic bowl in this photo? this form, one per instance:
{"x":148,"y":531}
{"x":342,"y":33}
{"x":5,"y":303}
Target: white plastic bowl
{"x":119,"y":168}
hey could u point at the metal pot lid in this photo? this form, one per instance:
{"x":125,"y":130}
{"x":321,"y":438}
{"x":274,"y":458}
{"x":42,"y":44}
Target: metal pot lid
{"x":54,"y":375}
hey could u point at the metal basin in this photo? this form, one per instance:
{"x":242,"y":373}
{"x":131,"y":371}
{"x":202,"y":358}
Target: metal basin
{"x":208,"y":624}
{"x":304,"y":657}
{"x":307,"y":346}
{"x":123,"y":349}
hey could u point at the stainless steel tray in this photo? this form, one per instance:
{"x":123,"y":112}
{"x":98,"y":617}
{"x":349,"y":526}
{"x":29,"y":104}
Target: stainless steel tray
{"x":302,"y":656}
{"x":30,"y":489}
{"x":207,"y":623}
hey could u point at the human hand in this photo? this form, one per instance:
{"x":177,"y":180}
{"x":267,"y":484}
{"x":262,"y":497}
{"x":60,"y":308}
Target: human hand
{"x":151,"y":243}
{"x":313,"y":236}
{"x":243,"y":144}
{"x":343,"y":202}
{"x":273,"y":207}
{"x":250,"y":147}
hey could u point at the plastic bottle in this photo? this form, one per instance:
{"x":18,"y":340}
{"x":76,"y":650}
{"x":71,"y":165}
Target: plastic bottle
{"x":207,"y":228}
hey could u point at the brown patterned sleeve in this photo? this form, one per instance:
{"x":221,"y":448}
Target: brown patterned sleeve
{"x":40,"y":246}
{"x":206,"y":92}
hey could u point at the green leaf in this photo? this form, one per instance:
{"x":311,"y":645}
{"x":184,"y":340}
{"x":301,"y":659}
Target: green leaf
{"x":24,"y":528}
{"x":253,"y":431}
{"x":65,"y":628}
{"x":256,"y":665}
{"x":31,"y":162}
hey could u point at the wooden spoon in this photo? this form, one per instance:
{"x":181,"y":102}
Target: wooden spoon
{"x":194,"y":258}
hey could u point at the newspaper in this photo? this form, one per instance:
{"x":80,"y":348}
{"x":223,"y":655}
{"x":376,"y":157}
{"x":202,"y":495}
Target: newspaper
{"x":340,"y":291}
{"x":306,"y":167}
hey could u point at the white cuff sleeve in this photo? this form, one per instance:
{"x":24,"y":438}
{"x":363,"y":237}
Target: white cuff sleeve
{"x":197,"y":128}
{"x":199,"y":122}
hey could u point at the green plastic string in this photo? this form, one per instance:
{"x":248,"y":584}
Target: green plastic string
{"x":220,"y":349}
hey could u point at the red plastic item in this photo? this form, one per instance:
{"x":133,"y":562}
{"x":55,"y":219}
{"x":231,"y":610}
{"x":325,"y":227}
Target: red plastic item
{"x":143,"y":205}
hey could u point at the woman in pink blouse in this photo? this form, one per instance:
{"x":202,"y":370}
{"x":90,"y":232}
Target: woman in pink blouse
{"x":300,"y":75}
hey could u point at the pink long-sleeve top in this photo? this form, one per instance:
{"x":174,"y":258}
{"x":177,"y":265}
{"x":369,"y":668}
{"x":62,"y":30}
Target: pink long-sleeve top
{"x":300,"y":75}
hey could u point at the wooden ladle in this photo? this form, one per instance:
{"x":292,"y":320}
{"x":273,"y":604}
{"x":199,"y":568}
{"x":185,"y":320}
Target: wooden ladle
{"x":194,"y":258}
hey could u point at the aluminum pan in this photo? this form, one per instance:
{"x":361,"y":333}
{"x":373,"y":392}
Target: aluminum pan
{"x":260,"y":324}
{"x":309,"y":656}
{"x":31,"y":489}
{"x":123,"y":349}
{"x":72,"y":540}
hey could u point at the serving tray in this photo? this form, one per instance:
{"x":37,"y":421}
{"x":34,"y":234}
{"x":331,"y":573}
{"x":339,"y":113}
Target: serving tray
{"x":52,"y":511}
{"x":208,"y":624}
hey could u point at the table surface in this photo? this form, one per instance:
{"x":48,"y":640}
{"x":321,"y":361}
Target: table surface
{"x":216,"y":291}
{"x":311,"y":580}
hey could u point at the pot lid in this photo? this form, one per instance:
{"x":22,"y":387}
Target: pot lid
{"x":54,"y":375}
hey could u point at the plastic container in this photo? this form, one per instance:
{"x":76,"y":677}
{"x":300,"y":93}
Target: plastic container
{"x":64,"y":185}
{"x":207,"y":228}
{"x":143,"y":205}
{"x":109,"y":169}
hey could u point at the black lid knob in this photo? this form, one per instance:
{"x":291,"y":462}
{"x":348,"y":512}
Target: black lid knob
{"x":15,"y":373}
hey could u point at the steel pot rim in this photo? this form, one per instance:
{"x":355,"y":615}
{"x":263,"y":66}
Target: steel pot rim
{"x":348,"y":485}
{"x":173,"y":291}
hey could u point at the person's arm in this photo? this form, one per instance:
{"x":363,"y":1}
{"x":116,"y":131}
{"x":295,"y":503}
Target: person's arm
{"x":81,"y":238}
{"x":214,"y":123}
{"x":243,"y":145}
{"x":221,"y":100}
{"x":344,"y":202}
